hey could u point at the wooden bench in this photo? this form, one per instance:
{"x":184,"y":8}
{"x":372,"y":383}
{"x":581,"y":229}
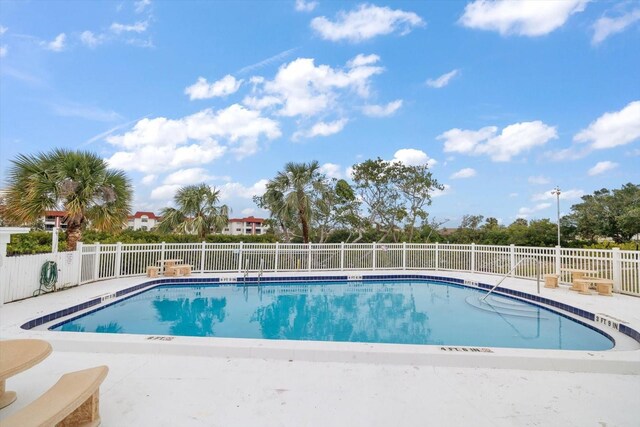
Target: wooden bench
{"x":603,"y":286}
{"x":153,"y":271}
{"x":72,"y":401}
{"x":550,"y":280}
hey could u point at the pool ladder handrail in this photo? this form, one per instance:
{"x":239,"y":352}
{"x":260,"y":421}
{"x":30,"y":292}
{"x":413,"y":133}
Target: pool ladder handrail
{"x":537,"y":261}
{"x":244,"y":276}
{"x":261,"y":271}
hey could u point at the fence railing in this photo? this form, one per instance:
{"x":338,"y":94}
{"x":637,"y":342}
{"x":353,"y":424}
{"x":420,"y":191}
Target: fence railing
{"x":19,"y":276}
{"x":100,"y":262}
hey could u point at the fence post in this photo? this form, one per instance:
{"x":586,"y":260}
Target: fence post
{"x":162,"y":254}
{"x":275,"y":268}
{"x":473,"y":257}
{"x":373,"y":255}
{"x":558,"y":261}
{"x":202,"y":256}
{"x":437,"y":256}
{"x":118,"y":258}
{"x":240,"y":257}
{"x":512,"y":258}
{"x":341,"y":256}
{"x":404,"y":255}
{"x":96,"y":262}
{"x":309,"y":258}
{"x":79,"y":255}
{"x":617,"y":269}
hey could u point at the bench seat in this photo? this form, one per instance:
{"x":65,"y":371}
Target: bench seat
{"x":603,"y":286}
{"x":72,"y":401}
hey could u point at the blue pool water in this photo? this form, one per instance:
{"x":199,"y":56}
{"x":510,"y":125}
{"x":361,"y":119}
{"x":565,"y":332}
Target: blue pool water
{"x":417,"y":312}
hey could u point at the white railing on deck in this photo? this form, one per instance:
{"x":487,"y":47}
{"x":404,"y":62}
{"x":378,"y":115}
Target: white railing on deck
{"x":110,"y":261}
{"x":19,"y":276}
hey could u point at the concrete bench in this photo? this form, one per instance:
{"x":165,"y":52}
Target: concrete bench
{"x":72,"y":401}
{"x":603,"y":286}
{"x":550,"y":280}
{"x":178,"y":270}
{"x":153,"y":271}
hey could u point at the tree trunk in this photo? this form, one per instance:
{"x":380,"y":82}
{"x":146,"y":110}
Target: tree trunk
{"x":305,"y":226}
{"x":74,"y":234}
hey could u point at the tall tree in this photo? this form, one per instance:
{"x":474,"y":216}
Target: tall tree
{"x":197,"y":212}
{"x":614,"y":214}
{"x":78,"y":182}
{"x":394,"y":194}
{"x":293,"y":193}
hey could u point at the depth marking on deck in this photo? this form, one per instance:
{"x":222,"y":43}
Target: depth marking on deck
{"x":468,"y":349}
{"x":156,"y":338}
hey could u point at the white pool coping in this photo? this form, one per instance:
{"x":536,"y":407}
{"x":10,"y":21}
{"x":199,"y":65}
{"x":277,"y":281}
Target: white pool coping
{"x":236,"y":382}
{"x":623,"y":359}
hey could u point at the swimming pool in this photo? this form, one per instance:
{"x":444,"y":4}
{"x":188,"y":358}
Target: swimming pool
{"x":401,"y":312}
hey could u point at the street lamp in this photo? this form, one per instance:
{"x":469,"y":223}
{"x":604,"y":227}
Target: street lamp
{"x":556,"y":192}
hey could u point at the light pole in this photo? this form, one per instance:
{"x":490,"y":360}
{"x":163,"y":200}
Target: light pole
{"x":556,"y":192}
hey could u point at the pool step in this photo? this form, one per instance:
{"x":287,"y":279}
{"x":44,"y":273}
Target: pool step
{"x":506,"y":308}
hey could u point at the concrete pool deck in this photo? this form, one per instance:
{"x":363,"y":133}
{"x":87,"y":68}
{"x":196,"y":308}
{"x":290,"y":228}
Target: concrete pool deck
{"x":192,"y":381}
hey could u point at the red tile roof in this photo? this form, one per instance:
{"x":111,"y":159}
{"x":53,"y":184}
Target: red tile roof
{"x":139,"y":214}
{"x":247,"y":219}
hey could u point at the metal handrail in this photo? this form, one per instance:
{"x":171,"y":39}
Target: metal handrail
{"x":537,"y":261}
{"x":261,"y":271}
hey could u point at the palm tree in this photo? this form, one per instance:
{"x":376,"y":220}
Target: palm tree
{"x":78,"y":182}
{"x":196,"y":213}
{"x":293,"y":192}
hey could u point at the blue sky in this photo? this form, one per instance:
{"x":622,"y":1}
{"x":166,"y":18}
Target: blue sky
{"x":505,"y":100}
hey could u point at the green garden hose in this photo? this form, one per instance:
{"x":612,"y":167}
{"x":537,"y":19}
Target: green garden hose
{"x":48,"y":278}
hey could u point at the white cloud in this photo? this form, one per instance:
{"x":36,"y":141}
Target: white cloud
{"x":602,"y":167}
{"x":524,"y":17}
{"x":261,"y":103}
{"x":141,"y":5}
{"x":248,"y":211}
{"x":413,"y":157}
{"x":237,"y":190}
{"x":564,"y":195}
{"x":306,"y":89}
{"x":439,"y":193}
{"x":164,"y":144}
{"x":365,"y":22}
{"x":205,"y":90}
{"x":539,"y":180}
{"x":322,"y":129}
{"x":91,"y":40}
{"x":187,"y":177}
{"x":362,"y":59}
{"x":382,"y":110}
{"x":605,"y":26}
{"x":613,"y":129}
{"x":3,"y":30}
{"x":3,"y":51}
{"x":149,"y":179}
{"x":525,"y":212}
{"x":443,"y":80}
{"x":332,"y":170}
{"x":305,"y":6}
{"x":164,"y":192}
{"x":57,"y":44}
{"x":513,"y":194}
{"x":512,"y":140}
{"x":138,"y":27}
{"x":464,"y":173}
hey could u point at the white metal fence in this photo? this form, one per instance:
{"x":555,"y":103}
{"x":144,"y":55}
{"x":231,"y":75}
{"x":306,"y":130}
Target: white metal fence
{"x":118,"y":260}
{"x":19,"y":277}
